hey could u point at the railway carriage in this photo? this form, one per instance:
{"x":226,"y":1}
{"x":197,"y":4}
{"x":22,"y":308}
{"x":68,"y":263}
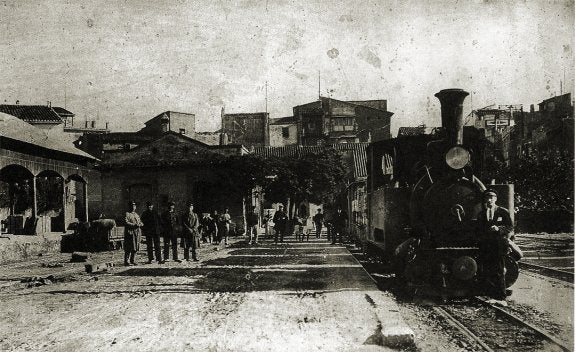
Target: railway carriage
{"x":424,"y":196}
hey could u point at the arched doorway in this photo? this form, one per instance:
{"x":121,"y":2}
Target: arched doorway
{"x":16,"y":198}
{"x":50,"y":201}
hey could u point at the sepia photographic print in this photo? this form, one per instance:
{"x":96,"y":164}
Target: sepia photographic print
{"x":286,"y":175}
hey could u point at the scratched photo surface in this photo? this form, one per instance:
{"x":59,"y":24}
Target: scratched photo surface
{"x":248,"y":105}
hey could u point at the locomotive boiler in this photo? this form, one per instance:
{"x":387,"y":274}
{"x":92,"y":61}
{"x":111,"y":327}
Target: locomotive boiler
{"x":424,"y":197}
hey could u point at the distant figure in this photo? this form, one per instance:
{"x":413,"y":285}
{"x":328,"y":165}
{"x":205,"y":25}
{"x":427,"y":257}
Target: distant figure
{"x":207,"y":229}
{"x":152,"y":229}
{"x":225,"y":221}
{"x":252,"y":220}
{"x":339,"y":222}
{"x":267,"y":222}
{"x":132,"y":234}
{"x":318,"y":223}
{"x":280,"y":221}
{"x":495,"y":228}
{"x":300,"y":228}
{"x":219,"y":230}
{"x":170,"y":231}
{"x":190,"y":234}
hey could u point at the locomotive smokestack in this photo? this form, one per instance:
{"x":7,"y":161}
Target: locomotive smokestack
{"x":452,"y":113}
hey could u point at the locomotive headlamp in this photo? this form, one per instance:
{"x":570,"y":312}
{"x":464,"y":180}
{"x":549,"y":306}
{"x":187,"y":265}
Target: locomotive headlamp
{"x":457,"y":157}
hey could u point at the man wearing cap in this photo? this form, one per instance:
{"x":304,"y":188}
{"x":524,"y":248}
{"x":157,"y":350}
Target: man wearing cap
{"x":152,"y":230}
{"x":170,"y":232}
{"x":339,"y":221}
{"x":495,"y":228}
{"x":132,"y":234}
{"x":190,"y":234}
{"x":280,"y":223}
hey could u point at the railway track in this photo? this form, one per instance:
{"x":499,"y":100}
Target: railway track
{"x":548,"y":272}
{"x":496,"y":329}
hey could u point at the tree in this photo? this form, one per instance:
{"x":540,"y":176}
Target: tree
{"x":543,"y":179}
{"x":316,"y":177}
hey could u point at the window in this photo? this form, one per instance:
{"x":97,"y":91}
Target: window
{"x":285,"y":132}
{"x":182,"y":131}
{"x":343,"y":124}
{"x":311,"y":126}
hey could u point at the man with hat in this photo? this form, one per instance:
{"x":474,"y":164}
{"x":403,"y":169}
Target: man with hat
{"x":280,"y":224}
{"x":339,"y":222}
{"x":190,"y":234}
{"x":495,"y":228}
{"x":170,"y":231}
{"x":152,"y":230}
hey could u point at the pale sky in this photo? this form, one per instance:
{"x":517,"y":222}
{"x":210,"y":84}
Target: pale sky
{"x":124,"y":62}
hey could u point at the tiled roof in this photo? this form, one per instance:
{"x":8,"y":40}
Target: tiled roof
{"x":359,"y":157}
{"x":13,"y":128}
{"x":288,"y":120}
{"x":62,"y":112}
{"x":411,"y":131}
{"x":32,"y":113}
{"x":374,"y":104}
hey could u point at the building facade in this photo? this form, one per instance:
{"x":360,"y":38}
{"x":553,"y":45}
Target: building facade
{"x":283,"y":131}
{"x":171,"y":168}
{"x":248,"y":129}
{"x":329,"y":121}
{"x":45,"y":185}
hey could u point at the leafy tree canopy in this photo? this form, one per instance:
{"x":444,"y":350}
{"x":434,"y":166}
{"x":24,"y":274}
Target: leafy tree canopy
{"x":543,"y":179}
{"x":317,"y":177}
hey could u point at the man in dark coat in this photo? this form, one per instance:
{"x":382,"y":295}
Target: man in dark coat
{"x":339,"y":222}
{"x":280,"y":224}
{"x":152,"y":230}
{"x":318,"y":223}
{"x":170,"y":232}
{"x":190,"y":233}
{"x":495,"y":228}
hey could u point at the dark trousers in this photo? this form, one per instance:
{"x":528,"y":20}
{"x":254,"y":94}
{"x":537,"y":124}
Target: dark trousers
{"x":153,"y":247}
{"x":171,"y":241}
{"x":129,"y":256}
{"x":190,"y":243}
{"x":493,"y":261}
{"x":337,"y":232}
{"x":279,"y":231}
{"x":318,"y":227}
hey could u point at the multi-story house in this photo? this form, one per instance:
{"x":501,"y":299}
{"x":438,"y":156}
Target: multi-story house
{"x":329,"y":121}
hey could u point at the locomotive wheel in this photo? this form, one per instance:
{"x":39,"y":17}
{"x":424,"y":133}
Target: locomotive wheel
{"x":511,"y":271}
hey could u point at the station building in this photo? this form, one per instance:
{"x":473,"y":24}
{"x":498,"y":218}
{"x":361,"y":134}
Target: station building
{"x":44,"y":186}
{"x":171,"y":168}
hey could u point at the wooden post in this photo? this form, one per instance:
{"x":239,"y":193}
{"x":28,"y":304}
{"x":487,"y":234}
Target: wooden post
{"x":35,"y":189}
{"x":244,"y":215}
{"x":86,"y":200}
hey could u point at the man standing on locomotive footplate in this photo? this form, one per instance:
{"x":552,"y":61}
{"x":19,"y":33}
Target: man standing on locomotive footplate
{"x":496,"y":227}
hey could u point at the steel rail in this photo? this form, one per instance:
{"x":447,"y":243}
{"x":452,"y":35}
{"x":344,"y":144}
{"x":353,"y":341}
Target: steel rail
{"x":453,"y":321}
{"x":519,"y":320}
{"x":570,"y":276}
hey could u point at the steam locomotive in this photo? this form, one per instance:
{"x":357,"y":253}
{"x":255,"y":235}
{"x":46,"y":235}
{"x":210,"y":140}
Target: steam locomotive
{"x":424,"y":196}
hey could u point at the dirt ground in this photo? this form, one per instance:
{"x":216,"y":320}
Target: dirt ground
{"x":311,"y":297}
{"x":290,"y":297}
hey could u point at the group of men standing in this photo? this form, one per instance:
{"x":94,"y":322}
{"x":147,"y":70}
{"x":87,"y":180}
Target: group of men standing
{"x":336,"y":226}
{"x":170,"y":226}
